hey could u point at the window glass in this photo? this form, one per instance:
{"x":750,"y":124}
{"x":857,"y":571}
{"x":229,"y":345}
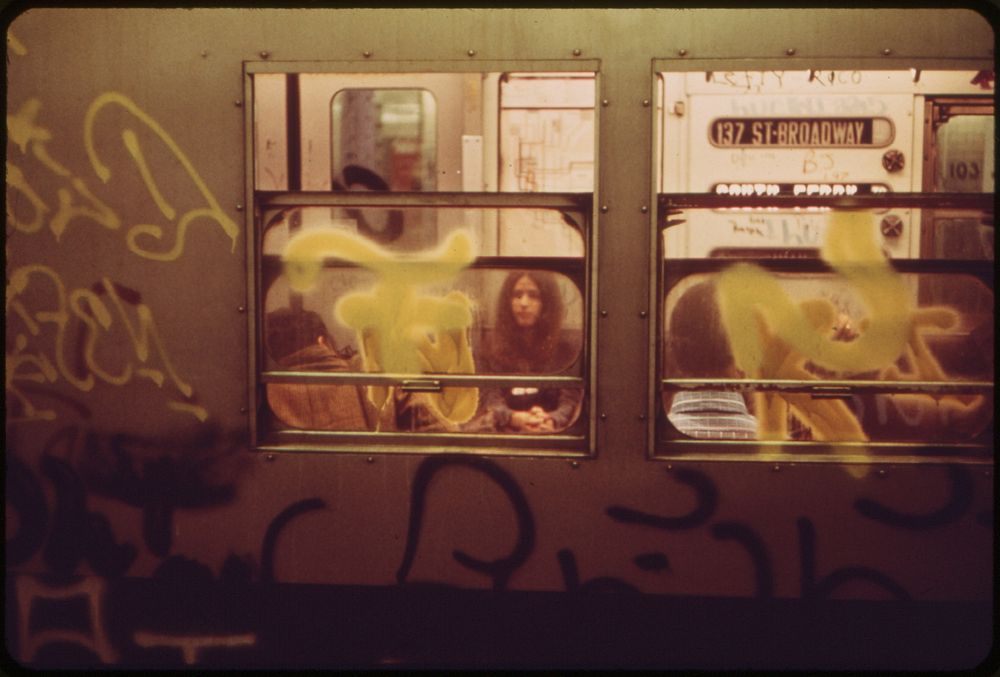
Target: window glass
{"x":547,"y":133}
{"x":825,"y":133}
{"x":805,"y":327}
{"x":337,"y":299}
{"x":384,"y":139}
{"x":964,"y":157}
{"x":507,"y":232}
{"x":472,"y":132}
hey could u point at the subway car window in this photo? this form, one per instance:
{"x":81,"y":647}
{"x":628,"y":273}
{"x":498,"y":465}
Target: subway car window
{"x":826,"y":263}
{"x":399,"y":319}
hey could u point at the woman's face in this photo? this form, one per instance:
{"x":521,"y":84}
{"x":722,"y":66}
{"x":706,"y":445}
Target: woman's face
{"x":526,"y":302}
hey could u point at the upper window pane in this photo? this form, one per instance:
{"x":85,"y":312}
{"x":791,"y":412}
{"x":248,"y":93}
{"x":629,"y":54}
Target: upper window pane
{"x":547,"y":133}
{"x":826,"y":133}
{"x":469,"y":132}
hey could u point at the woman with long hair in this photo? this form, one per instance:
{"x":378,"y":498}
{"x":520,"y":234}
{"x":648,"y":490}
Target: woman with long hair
{"x":529,"y":339}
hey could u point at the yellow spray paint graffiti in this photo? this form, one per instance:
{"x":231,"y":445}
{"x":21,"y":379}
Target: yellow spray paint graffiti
{"x":26,"y":133}
{"x":400,"y":330}
{"x":23,"y":130}
{"x":29,"y":212}
{"x":773,"y":337}
{"x":87,"y":306}
{"x":213,"y":212}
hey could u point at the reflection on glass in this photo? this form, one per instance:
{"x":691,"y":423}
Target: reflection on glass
{"x":384,"y":139}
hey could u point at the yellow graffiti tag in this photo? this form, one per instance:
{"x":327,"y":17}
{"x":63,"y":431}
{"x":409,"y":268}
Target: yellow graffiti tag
{"x":953,"y":410}
{"x":77,"y":201}
{"x":400,"y":330}
{"x":772,"y":336}
{"x":17,"y":181}
{"x":747,"y":292}
{"x":27,"y":134}
{"x":97,"y":318}
{"x":213,"y":212}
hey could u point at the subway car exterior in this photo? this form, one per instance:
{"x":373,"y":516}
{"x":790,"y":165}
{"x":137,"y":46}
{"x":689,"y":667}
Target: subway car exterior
{"x":182,"y":493}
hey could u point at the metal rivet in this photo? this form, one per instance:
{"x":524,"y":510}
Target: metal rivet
{"x":682,"y":52}
{"x":264,"y":55}
{"x":604,"y":313}
{"x":241,"y":309}
{"x":237,"y":103}
{"x":366,"y":53}
{"x":790,"y":51}
{"x":886,"y":52}
{"x":269,"y":457}
{"x":645,"y":102}
{"x":644,"y":209}
{"x":577,"y":52}
{"x":604,"y":209}
{"x":239,"y":208}
{"x":605,"y":102}
{"x":471,"y":52}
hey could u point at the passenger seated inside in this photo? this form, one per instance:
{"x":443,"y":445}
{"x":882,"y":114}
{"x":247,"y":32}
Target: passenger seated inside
{"x":528,"y":339}
{"x":298,"y":340}
{"x":698,"y":347}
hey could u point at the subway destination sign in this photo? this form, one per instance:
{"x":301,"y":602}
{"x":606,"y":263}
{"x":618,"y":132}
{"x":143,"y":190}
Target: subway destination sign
{"x":800,"y":132}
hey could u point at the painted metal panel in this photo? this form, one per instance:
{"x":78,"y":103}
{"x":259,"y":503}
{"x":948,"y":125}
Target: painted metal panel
{"x":127,"y":279}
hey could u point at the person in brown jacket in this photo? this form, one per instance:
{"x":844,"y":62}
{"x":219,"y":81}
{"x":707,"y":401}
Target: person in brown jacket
{"x":298,"y":340}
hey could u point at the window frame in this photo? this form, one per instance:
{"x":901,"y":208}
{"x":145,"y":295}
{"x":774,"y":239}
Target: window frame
{"x":562,"y":444}
{"x":665,"y":273}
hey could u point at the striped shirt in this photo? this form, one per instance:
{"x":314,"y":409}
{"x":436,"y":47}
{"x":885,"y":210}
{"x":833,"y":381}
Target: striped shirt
{"x":712,"y":415}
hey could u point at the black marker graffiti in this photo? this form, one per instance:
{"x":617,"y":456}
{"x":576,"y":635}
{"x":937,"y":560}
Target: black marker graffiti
{"x":652,"y":561}
{"x":499,"y":569}
{"x":958,"y":504}
{"x":705,"y":493}
{"x":813,"y":589}
{"x":571,"y":578}
{"x":274,"y":530}
{"x":196,"y":472}
{"x":78,"y":534}
{"x":748,"y":538}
